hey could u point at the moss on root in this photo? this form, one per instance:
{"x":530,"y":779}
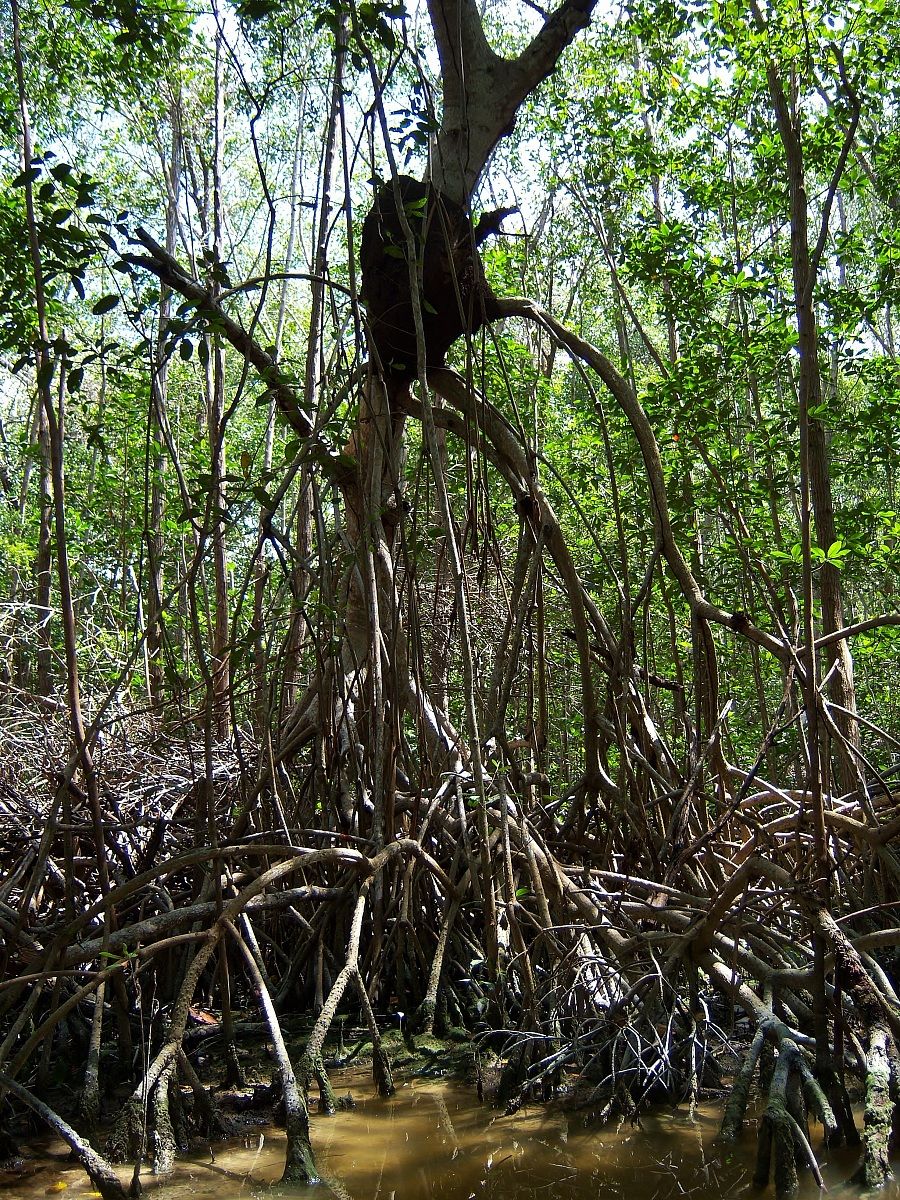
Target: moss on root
{"x":875,"y":1168}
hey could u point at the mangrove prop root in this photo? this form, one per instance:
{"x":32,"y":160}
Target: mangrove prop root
{"x":783,"y":1128}
{"x":381,"y":1065}
{"x":126,"y":1141}
{"x":875,"y":1169}
{"x":207,"y":1119}
{"x":801,"y":1138}
{"x":777,"y":1129}
{"x":311,"y":1063}
{"x":312,"y":1066}
{"x":736,"y":1108}
{"x":879,"y":1019}
{"x":163,"y":1135}
{"x":820,"y":1106}
{"x":101,"y":1174}
{"x":299,"y":1165}
{"x":796,"y":1107}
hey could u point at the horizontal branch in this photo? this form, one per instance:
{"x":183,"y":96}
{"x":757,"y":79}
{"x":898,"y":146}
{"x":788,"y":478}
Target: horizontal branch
{"x":849,"y":631}
{"x":166,"y":923}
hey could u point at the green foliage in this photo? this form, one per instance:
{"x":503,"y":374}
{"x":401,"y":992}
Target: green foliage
{"x":653,"y":196}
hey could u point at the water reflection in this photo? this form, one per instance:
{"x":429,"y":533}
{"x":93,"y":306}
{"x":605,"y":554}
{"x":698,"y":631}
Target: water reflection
{"x":434,"y":1141}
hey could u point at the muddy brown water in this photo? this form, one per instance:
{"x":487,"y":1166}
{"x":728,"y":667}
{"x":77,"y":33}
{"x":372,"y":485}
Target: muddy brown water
{"x":434,"y":1141}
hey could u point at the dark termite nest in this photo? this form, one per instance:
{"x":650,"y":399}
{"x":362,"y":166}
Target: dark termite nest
{"x":455,"y":296}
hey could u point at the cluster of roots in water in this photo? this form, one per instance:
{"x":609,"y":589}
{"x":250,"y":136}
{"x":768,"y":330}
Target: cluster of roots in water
{"x":311,"y":947}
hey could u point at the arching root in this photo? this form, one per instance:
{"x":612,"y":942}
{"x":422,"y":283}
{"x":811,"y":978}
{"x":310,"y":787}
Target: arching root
{"x":102,"y":1176}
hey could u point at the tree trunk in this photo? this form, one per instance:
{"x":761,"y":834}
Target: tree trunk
{"x":158,"y":417}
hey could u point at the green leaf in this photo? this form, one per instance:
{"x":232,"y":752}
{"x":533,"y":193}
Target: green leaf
{"x":105,"y":304}
{"x":25,"y":176}
{"x":263,"y":497}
